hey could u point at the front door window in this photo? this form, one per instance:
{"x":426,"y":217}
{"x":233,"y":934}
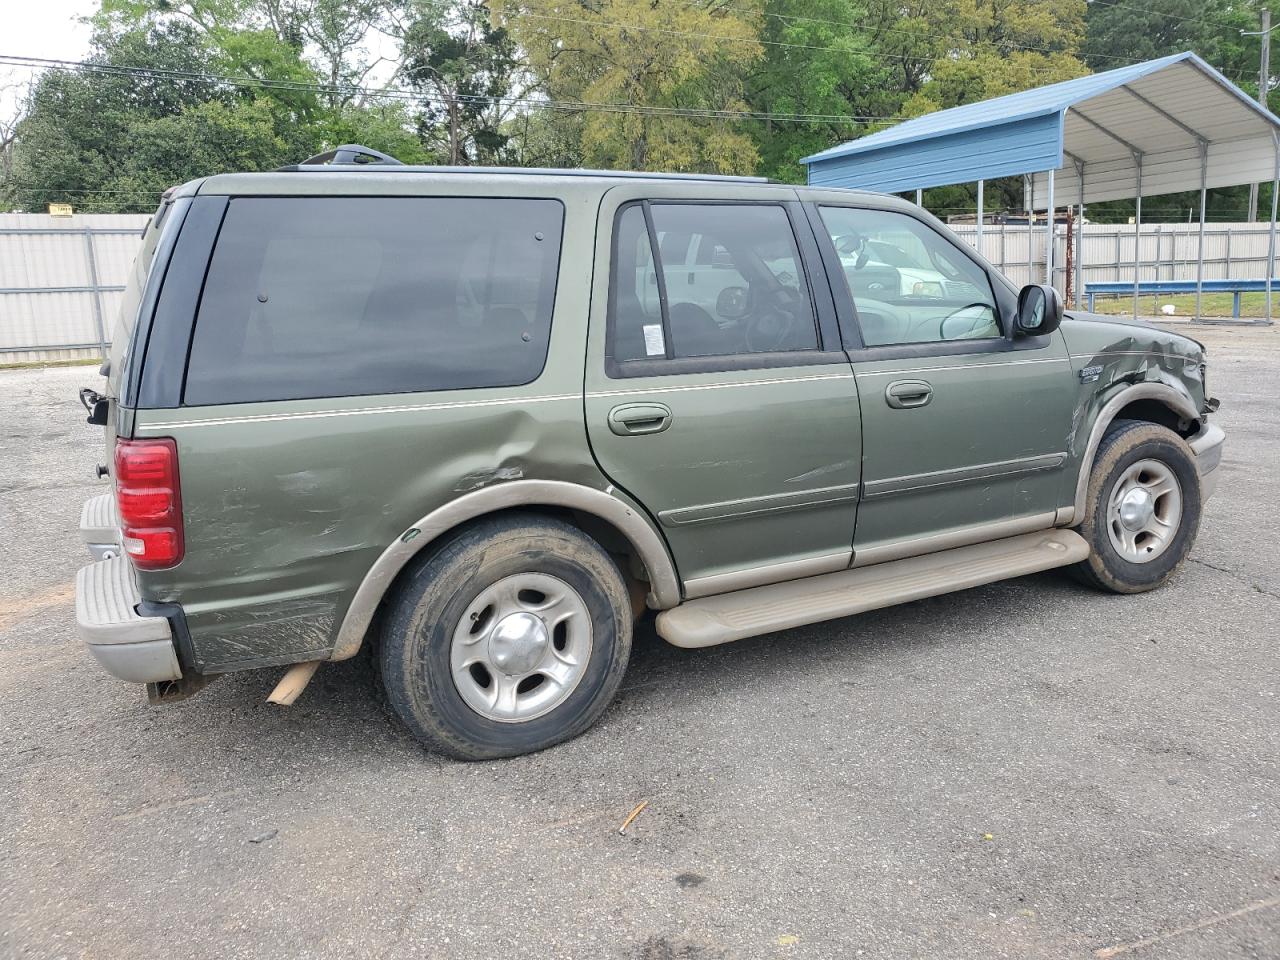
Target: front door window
{"x":909,"y":283}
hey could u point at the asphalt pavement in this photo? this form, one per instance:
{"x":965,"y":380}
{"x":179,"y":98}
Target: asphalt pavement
{"x":1025,"y":770}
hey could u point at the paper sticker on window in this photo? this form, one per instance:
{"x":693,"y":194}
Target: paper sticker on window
{"x":653,"y":344}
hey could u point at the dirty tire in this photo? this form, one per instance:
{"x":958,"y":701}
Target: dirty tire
{"x":1128,"y":442}
{"x":418,"y":633}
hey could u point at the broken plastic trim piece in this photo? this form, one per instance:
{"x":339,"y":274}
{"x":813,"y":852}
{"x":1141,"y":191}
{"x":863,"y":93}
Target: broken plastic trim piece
{"x":293,"y":683}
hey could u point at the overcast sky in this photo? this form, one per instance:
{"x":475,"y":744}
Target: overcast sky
{"x":41,"y":28}
{"x":45,"y":28}
{"x":51,"y":29}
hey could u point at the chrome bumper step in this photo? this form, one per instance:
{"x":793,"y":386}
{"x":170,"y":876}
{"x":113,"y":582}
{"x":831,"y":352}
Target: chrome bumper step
{"x":780,"y":606}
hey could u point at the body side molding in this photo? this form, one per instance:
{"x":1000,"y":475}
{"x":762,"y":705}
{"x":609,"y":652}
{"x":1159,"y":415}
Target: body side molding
{"x":1175,"y":401}
{"x":664,"y":585}
{"x":889,"y":486}
{"x":755,"y":506}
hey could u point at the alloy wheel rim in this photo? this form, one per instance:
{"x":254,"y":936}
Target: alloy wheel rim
{"x":1144,"y":511}
{"x":521,"y":647}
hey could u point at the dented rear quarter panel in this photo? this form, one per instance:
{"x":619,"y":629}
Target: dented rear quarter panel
{"x":287,"y":504}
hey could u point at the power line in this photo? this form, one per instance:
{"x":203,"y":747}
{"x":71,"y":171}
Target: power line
{"x":297,"y":86}
{"x":1160,"y":13}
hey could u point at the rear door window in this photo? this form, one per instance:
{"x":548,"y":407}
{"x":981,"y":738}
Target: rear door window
{"x":730,"y":274}
{"x":345,"y":296}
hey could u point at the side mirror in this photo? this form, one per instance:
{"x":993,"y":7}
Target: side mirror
{"x":1039,"y":311}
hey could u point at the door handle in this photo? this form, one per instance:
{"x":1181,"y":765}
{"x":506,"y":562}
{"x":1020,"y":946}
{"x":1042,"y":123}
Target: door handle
{"x":905,"y":394}
{"x":639,"y":419}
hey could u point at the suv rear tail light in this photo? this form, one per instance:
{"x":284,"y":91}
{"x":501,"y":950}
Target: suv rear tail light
{"x":150,"y":502}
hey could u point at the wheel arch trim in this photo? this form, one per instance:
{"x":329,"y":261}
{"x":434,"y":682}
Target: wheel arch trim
{"x":664,"y":583}
{"x":1179,"y":403}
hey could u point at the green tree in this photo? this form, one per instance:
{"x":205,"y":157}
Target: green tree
{"x":819,"y":60}
{"x":79,"y":140}
{"x":1120,"y":33}
{"x":462,"y":64}
{"x":987,"y":48}
{"x":673,"y":55}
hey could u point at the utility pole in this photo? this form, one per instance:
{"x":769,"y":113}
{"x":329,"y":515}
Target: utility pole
{"x":1264,"y":82}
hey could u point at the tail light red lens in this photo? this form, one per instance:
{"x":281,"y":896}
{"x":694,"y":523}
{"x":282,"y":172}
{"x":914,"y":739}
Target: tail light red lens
{"x":150,"y":502}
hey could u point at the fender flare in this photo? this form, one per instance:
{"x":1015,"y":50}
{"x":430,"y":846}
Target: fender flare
{"x":1179,"y":403}
{"x":664,"y":584}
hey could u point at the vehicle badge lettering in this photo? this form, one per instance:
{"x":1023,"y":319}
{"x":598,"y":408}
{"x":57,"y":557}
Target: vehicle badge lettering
{"x":1090,"y":373}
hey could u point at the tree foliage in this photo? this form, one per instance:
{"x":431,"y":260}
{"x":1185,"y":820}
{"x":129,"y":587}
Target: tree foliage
{"x":671,"y":55}
{"x":462,"y":65}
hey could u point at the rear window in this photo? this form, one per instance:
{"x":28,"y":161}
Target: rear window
{"x":339,"y":296}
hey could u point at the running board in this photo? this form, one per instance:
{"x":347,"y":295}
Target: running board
{"x":780,"y":606}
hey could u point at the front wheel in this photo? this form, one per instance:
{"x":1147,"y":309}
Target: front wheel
{"x":1142,"y":508}
{"x":510,"y":638}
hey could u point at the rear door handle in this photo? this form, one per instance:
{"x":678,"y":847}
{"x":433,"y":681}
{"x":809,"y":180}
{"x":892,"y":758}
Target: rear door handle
{"x":639,"y":419}
{"x":905,"y":394}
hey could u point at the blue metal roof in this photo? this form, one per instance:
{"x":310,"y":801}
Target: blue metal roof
{"x":1010,"y":135}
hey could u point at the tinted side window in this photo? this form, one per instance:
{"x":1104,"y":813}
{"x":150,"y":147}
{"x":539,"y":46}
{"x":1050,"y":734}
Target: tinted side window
{"x":731,"y":277}
{"x":909,"y":285}
{"x":339,"y":296}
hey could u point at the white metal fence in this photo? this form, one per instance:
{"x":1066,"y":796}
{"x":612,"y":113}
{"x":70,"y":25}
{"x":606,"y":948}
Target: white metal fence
{"x":61,"y":278}
{"x":1232,"y":251}
{"x":60,"y":282}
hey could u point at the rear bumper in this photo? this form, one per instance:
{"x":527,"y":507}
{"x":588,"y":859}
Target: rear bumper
{"x":100,"y":527}
{"x":128,"y":645}
{"x":1207,"y":446}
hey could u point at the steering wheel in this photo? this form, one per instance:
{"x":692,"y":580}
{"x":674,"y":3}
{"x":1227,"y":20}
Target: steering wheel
{"x":973,"y":325}
{"x":770,"y":326}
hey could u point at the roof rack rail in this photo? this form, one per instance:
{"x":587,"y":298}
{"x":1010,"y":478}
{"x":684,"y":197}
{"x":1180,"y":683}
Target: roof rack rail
{"x":348,"y":153}
{"x":397,"y":167}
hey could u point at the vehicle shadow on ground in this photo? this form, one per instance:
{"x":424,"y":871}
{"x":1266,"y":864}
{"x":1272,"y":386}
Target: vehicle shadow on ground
{"x":345,"y":697}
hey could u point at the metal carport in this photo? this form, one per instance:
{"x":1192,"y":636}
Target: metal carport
{"x":1157,"y":127}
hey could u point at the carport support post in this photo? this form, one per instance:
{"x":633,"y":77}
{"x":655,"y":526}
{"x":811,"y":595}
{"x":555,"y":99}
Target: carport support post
{"x":1029,"y":201}
{"x":919,"y":197}
{"x":1137,"y":232}
{"x":1271,"y":234}
{"x":1048,"y":250}
{"x":1204,"y":180}
{"x":1080,"y":237}
{"x":978,"y":237}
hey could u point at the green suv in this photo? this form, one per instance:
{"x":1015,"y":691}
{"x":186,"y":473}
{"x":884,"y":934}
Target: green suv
{"x":478,"y":420}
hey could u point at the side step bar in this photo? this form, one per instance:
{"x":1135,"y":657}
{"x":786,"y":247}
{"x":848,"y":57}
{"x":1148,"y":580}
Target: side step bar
{"x":780,"y":606}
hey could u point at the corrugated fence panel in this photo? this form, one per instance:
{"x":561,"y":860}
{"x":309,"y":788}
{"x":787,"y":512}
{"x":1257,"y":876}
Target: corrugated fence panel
{"x":50,"y":303}
{"x":114,"y":255}
{"x":47,"y":319}
{"x":42,"y":260}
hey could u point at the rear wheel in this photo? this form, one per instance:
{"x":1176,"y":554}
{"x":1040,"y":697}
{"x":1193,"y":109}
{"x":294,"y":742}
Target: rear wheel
{"x":1142,"y":509}
{"x":510,"y":638}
